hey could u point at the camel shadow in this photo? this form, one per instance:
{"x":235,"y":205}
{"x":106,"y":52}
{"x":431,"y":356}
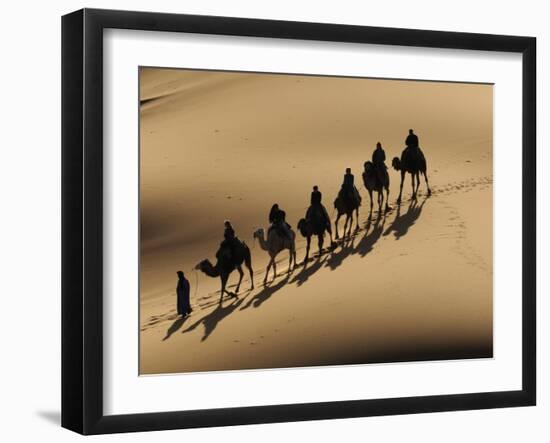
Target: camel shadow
{"x":301,"y":277}
{"x":365,"y":244}
{"x":346,"y":249}
{"x":211,"y":320}
{"x":369,"y":239}
{"x":268,"y":290}
{"x":215,"y":297}
{"x":403,"y":222}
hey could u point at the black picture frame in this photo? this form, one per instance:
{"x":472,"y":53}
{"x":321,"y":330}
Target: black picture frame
{"x":82,"y":219}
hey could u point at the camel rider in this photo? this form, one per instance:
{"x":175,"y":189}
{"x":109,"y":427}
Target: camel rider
{"x":229,"y":239}
{"x":229,"y":232}
{"x":412,"y":140}
{"x":316,"y":196}
{"x":378,"y":160}
{"x":348,"y":186}
{"x":277,"y":219}
{"x":316,"y":204}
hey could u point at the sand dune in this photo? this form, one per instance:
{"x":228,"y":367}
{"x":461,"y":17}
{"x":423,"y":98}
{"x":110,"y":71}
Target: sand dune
{"x":415,"y":283}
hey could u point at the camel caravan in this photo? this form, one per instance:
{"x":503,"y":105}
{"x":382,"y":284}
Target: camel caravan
{"x":233,"y":253}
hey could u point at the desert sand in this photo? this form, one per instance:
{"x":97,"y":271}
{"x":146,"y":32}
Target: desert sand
{"x":412,"y":284}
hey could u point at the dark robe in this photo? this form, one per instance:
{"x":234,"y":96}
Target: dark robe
{"x":412,"y":141}
{"x":183,"y":290}
{"x":378,"y":157}
{"x":277,"y":216}
{"x":229,"y":243}
{"x":229,"y":233}
{"x":349,"y":181}
{"x":316,"y":197}
{"x":348,"y":189}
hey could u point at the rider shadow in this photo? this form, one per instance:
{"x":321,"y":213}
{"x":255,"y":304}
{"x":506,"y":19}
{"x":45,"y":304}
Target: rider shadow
{"x":402,"y":223}
{"x":307,"y":271}
{"x":211,"y":320}
{"x":367,"y":242}
{"x":346,"y":249}
{"x":365,"y":245}
{"x":268,"y":290}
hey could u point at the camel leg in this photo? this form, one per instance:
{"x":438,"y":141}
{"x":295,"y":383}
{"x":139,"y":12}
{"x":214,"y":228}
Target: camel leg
{"x":320,"y":241}
{"x":401,"y":187}
{"x":413,"y":187}
{"x":224,"y":282}
{"x":267,"y":270}
{"x":241,"y":275}
{"x":345,"y":226}
{"x":308,"y":240}
{"x":329,"y":230}
{"x":336,"y":225}
{"x":248,"y":264}
{"x":370,"y":195}
{"x":388,"y":207}
{"x":427,"y":184}
{"x":289,"y":260}
{"x":274,"y":268}
{"x":357,"y":219}
{"x":350,"y":223}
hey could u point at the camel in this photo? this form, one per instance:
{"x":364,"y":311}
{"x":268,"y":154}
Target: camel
{"x":373,"y":183}
{"x":347,"y":206}
{"x":274,"y":244}
{"x":227,"y":262}
{"x":314,"y":224}
{"x":412,"y":161}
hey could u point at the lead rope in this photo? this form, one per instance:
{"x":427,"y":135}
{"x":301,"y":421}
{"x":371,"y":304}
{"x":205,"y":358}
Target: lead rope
{"x":196,"y":283}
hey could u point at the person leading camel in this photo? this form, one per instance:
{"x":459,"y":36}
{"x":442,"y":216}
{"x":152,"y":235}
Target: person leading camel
{"x":378,"y":160}
{"x":183,"y":290}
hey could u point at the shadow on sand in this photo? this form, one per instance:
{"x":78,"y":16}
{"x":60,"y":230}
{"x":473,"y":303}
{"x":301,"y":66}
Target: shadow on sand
{"x":372,"y":231}
{"x":403,"y":222}
{"x":211,"y":320}
{"x":309,"y":268}
{"x":174,"y":327}
{"x":268,"y":290}
{"x":365,"y":244}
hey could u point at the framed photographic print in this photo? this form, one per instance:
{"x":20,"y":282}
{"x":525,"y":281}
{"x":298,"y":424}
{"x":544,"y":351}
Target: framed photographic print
{"x":269,"y":221}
